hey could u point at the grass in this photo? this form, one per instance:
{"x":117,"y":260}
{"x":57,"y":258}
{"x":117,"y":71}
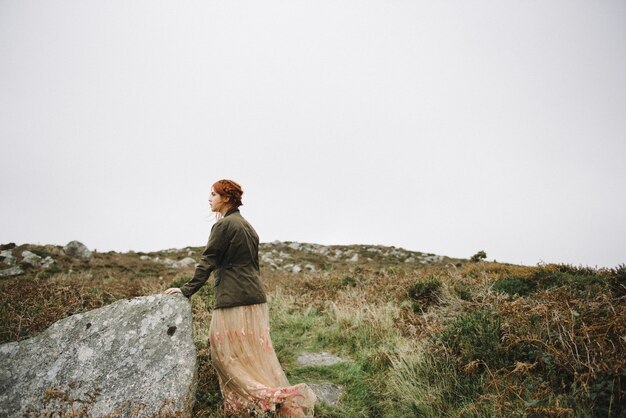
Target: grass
{"x":458,"y":339}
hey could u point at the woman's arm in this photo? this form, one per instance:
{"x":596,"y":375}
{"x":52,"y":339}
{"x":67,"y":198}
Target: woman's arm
{"x":211,"y":257}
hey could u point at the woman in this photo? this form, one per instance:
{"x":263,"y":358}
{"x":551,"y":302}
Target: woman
{"x":251,"y":378}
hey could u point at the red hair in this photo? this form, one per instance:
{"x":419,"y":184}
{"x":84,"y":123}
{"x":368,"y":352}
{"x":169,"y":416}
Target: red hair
{"x":229,"y":189}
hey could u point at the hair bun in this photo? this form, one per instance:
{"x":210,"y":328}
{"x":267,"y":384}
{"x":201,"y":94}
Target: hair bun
{"x":230,"y":189}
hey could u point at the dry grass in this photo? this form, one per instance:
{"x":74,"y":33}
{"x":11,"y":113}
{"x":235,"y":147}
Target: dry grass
{"x":465,"y":349}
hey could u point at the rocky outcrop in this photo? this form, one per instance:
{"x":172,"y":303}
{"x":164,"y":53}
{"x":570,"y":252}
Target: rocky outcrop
{"x":300,"y":257}
{"x":36,"y":261}
{"x":135,"y":357}
{"x":77,"y":249}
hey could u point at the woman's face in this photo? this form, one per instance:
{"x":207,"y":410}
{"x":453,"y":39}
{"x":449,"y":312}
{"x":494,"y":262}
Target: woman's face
{"x":216,"y":201}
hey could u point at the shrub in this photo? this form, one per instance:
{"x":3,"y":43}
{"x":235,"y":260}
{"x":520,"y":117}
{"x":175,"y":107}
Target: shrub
{"x":463,"y":291}
{"x":424,"y":293}
{"x":580,"y":280}
{"x":514,"y":286}
{"x":476,"y":336}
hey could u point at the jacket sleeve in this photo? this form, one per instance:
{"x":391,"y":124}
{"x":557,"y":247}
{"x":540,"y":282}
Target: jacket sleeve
{"x":211,"y":257}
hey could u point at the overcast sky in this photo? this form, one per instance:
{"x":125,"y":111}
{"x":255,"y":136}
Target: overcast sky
{"x":442,"y":126}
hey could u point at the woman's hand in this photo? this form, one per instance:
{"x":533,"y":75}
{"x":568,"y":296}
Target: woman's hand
{"x":172,"y":291}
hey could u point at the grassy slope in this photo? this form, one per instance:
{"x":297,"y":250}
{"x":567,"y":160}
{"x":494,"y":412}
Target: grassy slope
{"x":451,"y":338}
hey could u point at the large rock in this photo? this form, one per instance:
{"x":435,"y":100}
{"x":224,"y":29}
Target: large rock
{"x":135,"y":357}
{"x":77,"y":249}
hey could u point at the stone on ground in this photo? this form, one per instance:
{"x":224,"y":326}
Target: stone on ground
{"x":318,"y":359}
{"x":135,"y":357}
{"x":327,"y":392}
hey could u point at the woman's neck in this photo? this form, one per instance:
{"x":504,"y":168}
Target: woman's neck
{"x":225,"y":210}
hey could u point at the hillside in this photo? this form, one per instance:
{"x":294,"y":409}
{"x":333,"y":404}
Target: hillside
{"x":426,"y":335}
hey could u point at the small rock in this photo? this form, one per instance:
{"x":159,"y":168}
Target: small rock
{"x":327,"y":392}
{"x":309,"y":267}
{"x":276,"y":242}
{"x":47,"y":262}
{"x":410,"y":260}
{"x":31,"y":258}
{"x":354,"y":258}
{"x":144,"y":257}
{"x":318,"y":359}
{"x":13,"y":271}
{"x":77,"y":249}
{"x":296,"y":268}
{"x":294,"y":245}
{"x":168,"y":262}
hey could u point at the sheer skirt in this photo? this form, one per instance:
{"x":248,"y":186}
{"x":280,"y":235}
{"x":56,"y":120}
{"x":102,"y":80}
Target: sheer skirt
{"x":250,"y":376}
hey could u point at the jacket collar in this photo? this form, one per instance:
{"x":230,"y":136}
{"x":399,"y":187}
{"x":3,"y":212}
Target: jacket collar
{"x":231,"y":211}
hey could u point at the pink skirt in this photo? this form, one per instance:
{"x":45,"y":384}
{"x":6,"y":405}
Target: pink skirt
{"x":251,"y":378}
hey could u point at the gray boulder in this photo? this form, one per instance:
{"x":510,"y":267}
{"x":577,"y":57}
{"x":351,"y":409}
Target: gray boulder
{"x":187,"y":261}
{"x":77,"y":249}
{"x":135,"y":357}
{"x":6,"y":256}
{"x":31,"y":258}
{"x":327,"y":392}
{"x":47,"y":262}
{"x":12,"y":271}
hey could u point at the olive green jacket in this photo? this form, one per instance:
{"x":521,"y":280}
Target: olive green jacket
{"x":233,"y":253}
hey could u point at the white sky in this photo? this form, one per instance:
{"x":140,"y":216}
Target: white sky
{"x":441,"y":126}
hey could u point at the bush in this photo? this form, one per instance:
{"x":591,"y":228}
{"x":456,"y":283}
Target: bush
{"x":514,"y":286}
{"x":476,"y":336}
{"x":580,"y":280}
{"x":463,"y":291}
{"x":424,"y":293}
